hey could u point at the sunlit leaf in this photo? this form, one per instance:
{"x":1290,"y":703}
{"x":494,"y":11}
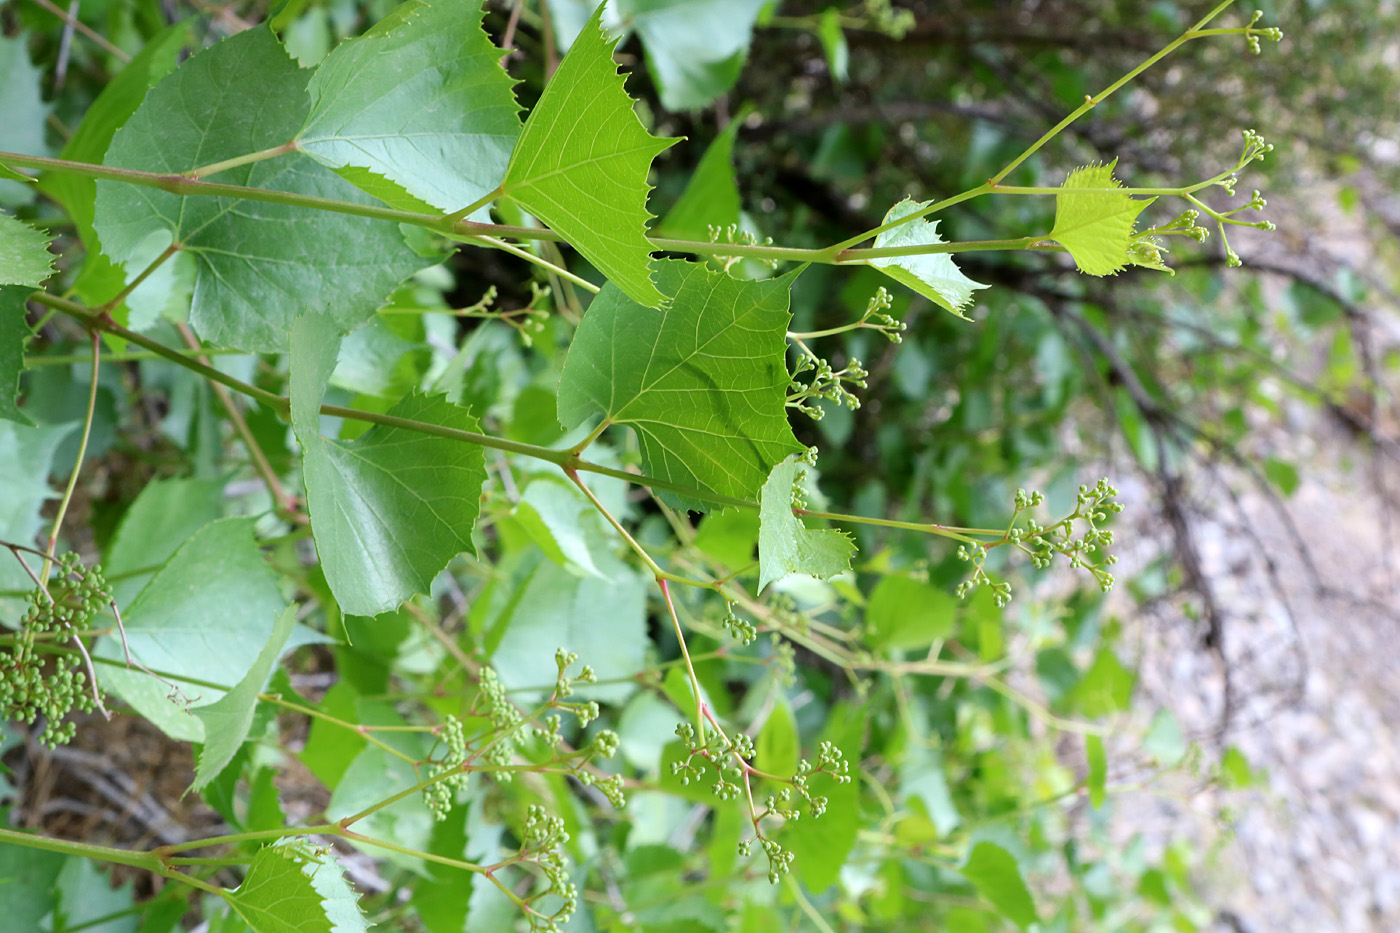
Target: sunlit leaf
{"x":291,"y":889}
{"x":933,"y":275}
{"x":785,"y":544}
{"x":1097,"y":226}
{"x":996,"y":876}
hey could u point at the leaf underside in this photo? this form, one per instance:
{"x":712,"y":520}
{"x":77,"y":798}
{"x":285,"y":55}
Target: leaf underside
{"x":933,"y":275}
{"x":785,"y":545}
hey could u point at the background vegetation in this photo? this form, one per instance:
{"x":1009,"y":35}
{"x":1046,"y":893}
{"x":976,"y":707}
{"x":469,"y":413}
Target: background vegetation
{"x":982,"y":791}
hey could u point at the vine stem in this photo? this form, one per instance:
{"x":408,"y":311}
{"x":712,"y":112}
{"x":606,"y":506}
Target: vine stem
{"x":993,"y":184}
{"x":247,"y":158}
{"x":78,"y":462}
{"x":700,"y":712}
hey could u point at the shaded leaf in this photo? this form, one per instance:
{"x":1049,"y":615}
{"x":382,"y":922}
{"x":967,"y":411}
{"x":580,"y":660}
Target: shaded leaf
{"x":24,"y":254}
{"x":695,"y":48}
{"x":228,"y":719}
{"x":1098,"y":769}
{"x":14,"y":334}
{"x":26,"y":457}
{"x":933,"y":275}
{"x":392,"y":507}
{"x":1107,"y":686}
{"x":581,"y":164}
{"x":703,"y":382}
{"x":420,"y":100}
{"x":259,"y":264}
{"x":166,"y":513}
{"x":785,"y":544}
{"x":22,"y":103}
{"x":99,"y":279}
{"x":996,"y":876}
{"x":711,"y":197}
{"x":288,"y":889}
{"x":1096,"y":226}
{"x":778,"y":746}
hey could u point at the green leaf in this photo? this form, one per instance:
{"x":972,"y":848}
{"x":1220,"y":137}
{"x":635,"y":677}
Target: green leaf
{"x":27,"y":879}
{"x":201,"y":620}
{"x":561,"y":522}
{"x":695,"y":48}
{"x":785,"y":544}
{"x":163,"y":516}
{"x":14,"y":334}
{"x":778,"y":746}
{"x":392,"y":507}
{"x":87,"y":901}
{"x":933,"y":275}
{"x":1098,"y":769}
{"x":603,"y":620}
{"x":26,"y":457}
{"x":703,"y":382}
{"x":260,"y":264}
{"x":581,"y":164}
{"x":833,"y":39}
{"x":99,"y":280}
{"x":420,"y":100}
{"x":1107,"y":686}
{"x":22,"y":103}
{"x":907,"y":613}
{"x":1096,"y":226}
{"x":24,"y":254}
{"x":228,"y":719}
{"x":711,"y":197}
{"x":290,"y":889}
{"x":1282,"y":474}
{"x":996,"y":876}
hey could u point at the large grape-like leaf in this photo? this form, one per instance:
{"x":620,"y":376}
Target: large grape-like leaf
{"x":14,"y":334}
{"x":581,"y":164}
{"x":228,"y":719}
{"x":1097,"y":226}
{"x":392,"y":507}
{"x":288,"y":889}
{"x":202,"y":619}
{"x":785,"y":545}
{"x":933,"y":275}
{"x":24,"y":254}
{"x":695,"y":48}
{"x":99,"y":279}
{"x":259,"y":264}
{"x":703,"y":382}
{"x":421,"y":100}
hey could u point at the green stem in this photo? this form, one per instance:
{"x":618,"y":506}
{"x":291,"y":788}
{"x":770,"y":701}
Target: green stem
{"x":689,"y":666}
{"x":67,"y":359}
{"x":1091,"y":102}
{"x":925,"y":249}
{"x":245,"y":159}
{"x":476,"y":205}
{"x":121,"y":296}
{"x":78,"y":463}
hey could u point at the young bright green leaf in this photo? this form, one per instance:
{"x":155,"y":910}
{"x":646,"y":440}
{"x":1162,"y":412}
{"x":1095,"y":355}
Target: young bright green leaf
{"x":603,"y":620}
{"x":785,"y":544}
{"x":1096,"y":226}
{"x":581,"y":164}
{"x":392,"y":507}
{"x":695,"y":48}
{"x":14,"y":334}
{"x":711,"y":197}
{"x":228,"y":719}
{"x":99,"y":280}
{"x":202,"y":619}
{"x":24,"y":254}
{"x":702,"y":382}
{"x":1098,"y":769}
{"x":22,"y":103}
{"x":907,"y":613}
{"x":260,"y":264}
{"x":289,"y":889}
{"x":996,"y":876}
{"x":420,"y":100}
{"x":933,"y":275}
